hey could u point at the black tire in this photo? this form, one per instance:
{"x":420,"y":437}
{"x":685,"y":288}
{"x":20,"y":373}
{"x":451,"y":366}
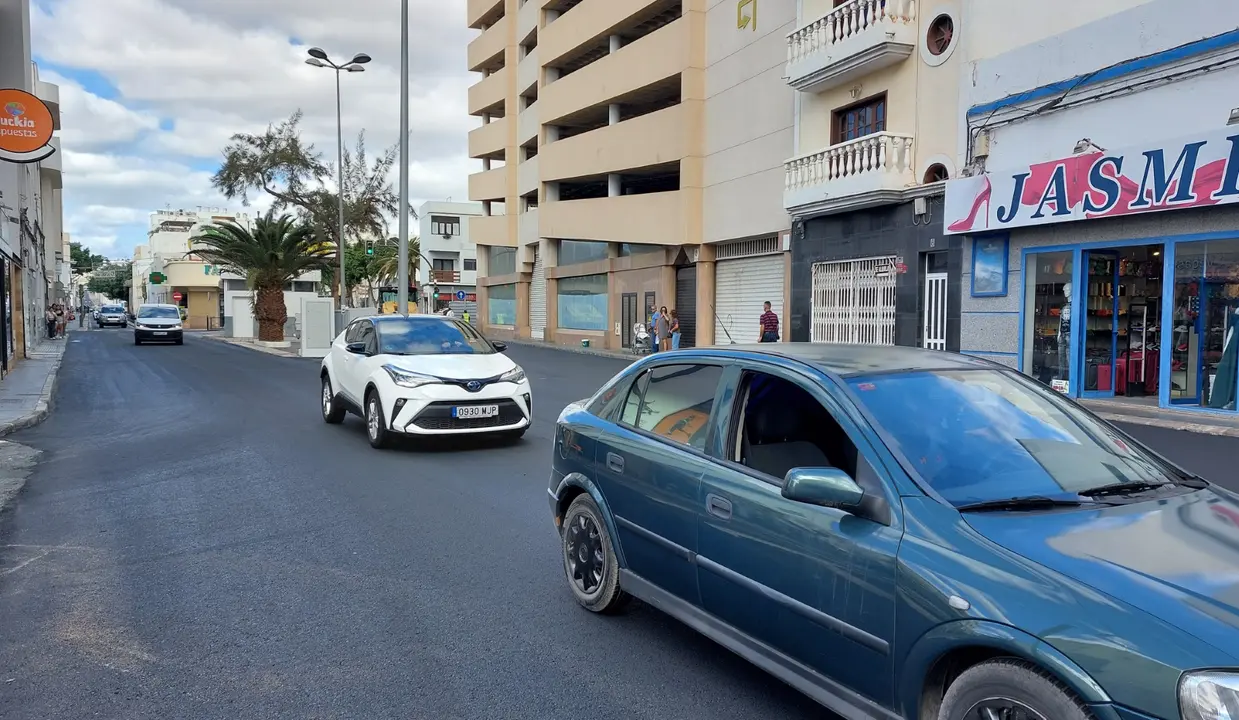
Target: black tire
{"x":180,"y":341}
{"x":376,"y":424}
{"x":1014,"y":683}
{"x":136,"y":341}
{"x":586,"y":544}
{"x":333,"y":410}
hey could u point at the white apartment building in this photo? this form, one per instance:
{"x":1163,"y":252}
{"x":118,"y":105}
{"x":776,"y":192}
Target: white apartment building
{"x":447,"y":269}
{"x":30,"y":203}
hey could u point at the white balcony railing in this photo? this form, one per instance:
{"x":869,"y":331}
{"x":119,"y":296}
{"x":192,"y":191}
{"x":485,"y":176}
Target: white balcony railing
{"x":844,"y":174}
{"x":858,"y":37}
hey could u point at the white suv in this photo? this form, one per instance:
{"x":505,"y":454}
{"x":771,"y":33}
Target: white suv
{"x":423,"y":375}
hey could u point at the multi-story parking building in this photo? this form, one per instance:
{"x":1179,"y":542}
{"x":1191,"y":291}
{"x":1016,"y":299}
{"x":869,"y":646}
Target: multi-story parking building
{"x":632,"y":156}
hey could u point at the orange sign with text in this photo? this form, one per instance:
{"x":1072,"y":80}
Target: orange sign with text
{"x":25,"y":122}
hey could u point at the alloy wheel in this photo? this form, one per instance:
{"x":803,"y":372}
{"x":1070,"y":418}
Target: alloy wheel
{"x":326,"y":397}
{"x":372,"y":418}
{"x":584,"y":553}
{"x":1002,"y":709}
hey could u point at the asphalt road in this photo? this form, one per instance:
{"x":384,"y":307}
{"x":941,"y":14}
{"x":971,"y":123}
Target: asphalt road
{"x":197,"y":543}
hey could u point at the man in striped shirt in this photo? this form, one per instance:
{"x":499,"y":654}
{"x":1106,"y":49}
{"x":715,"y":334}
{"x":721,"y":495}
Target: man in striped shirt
{"x":769,"y":325}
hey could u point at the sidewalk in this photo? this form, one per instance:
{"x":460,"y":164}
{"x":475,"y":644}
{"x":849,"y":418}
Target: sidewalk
{"x":26,"y":393}
{"x":293,"y":350}
{"x":1118,"y":410}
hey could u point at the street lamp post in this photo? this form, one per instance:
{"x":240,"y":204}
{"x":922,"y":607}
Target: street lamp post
{"x":318,"y":58}
{"x":402,"y":263}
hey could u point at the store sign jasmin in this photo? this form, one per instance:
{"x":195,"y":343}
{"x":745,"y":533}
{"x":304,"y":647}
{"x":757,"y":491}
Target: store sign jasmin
{"x":1198,"y":171}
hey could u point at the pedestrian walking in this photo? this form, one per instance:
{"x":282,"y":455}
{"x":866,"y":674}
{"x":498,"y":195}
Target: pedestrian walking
{"x":663,"y":329}
{"x":50,"y":318}
{"x":768,"y":325}
{"x":675,"y":330}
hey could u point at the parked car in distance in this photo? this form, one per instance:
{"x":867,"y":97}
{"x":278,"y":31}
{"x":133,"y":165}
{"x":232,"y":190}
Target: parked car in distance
{"x":423,"y":375}
{"x":903,"y":533}
{"x":158,"y":323}
{"x":110,"y":315}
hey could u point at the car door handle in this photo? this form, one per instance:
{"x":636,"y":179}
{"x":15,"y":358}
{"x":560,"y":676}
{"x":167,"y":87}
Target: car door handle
{"x":719,"y":506}
{"x":615,"y":463}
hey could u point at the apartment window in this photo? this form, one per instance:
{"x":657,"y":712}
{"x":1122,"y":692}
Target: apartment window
{"x":444,"y":225}
{"x":502,"y":261}
{"x":630,"y":249}
{"x":443,"y":264}
{"x":574,"y":252}
{"x":856,"y":121}
{"x":470,"y":264}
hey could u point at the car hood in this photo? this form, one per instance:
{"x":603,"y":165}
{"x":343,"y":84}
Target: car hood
{"x":1176,"y":558}
{"x":158,"y":322}
{"x":454,"y":367}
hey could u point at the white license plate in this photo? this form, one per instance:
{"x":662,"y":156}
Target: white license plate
{"x":160,"y":332}
{"x":475,"y":411}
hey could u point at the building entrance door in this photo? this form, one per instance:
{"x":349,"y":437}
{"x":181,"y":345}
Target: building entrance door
{"x":628,"y":318}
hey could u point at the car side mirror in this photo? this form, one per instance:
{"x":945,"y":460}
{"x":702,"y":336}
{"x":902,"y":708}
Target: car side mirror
{"x":500,"y":346}
{"x":357,"y":348}
{"x":824,"y":486}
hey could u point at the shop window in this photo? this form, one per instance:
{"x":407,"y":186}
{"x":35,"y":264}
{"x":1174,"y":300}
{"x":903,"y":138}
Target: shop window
{"x":582,"y":302}
{"x":1047,"y":313}
{"x":1206,"y":324}
{"x":856,"y":121}
{"x":502,"y":261}
{"x":575,"y":252}
{"x":501,"y":304}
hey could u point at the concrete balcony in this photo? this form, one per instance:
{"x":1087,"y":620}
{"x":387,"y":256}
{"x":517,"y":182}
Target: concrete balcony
{"x":487,"y":96}
{"x":527,"y":125}
{"x":490,"y":140}
{"x":483,"y":12}
{"x":592,"y":19}
{"x":445,"y":277}
{"x":652,"y":139}
{"x":527,"y":71}
{"x":868,"y":171}
{"x":527,"y":178}
{"x":486,"y":50}
{"x":527,"y":17}
{"x":855,"y":39}
{"x":667,"y":218}
{"x":53,"y":167}
{"x":489,"y":185}
{"x":528,"y":230}
{"x":490,"y":230}
{"x":189,"y":274}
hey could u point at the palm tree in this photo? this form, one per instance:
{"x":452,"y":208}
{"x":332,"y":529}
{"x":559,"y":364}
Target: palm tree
{"x":387,"y":264}
{"x":277,"y":251}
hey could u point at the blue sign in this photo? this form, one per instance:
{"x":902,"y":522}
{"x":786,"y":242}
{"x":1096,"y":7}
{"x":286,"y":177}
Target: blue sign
{"x":460,"y":295}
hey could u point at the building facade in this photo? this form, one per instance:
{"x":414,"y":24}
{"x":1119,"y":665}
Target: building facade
{"x":634,"y":163}
{"x":876,"y":138}
{"x":30,"y":203}
{"x":447,"y":270}
{"x":1101,"y":218}
{"x":170,"y":273}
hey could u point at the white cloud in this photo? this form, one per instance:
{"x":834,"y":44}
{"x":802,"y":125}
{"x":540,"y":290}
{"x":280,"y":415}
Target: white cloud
{"x":206,"y":70}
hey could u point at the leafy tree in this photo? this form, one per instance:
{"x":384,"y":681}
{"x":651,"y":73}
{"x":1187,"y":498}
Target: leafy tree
{"x":83,"y":260}
{"x":111,"y":280}
{"x":359,"y":267}
{"x":277,"y":251}
{"x":277,"y":162}
{"x":387,"y":267}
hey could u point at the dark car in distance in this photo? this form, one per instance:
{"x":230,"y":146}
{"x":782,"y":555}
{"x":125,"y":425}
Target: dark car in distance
{"x":902,"y":533}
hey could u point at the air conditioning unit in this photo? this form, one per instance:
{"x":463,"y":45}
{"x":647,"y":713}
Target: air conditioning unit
{"x":447,"y":236}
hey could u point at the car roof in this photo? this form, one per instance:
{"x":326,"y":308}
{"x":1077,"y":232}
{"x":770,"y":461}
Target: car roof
{"x":849,"y":360}
{"x":161,"y":305}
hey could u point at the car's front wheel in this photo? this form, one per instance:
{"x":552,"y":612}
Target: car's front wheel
{"x":589,"y":558}
{"x":333,"y":412}
{"x":376,"y":425}
{"x":1010,"y":688}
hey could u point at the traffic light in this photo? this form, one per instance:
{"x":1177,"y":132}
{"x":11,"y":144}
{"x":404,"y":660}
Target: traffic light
{"x":369,"y":248}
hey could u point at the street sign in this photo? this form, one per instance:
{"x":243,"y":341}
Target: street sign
{"x":176,"y":296}
{"x":461,"y":294}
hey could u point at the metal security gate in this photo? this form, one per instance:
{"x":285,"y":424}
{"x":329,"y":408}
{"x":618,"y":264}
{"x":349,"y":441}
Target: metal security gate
{"x":741,"y":288}
{"x":686,"y":304}
{"x":854,"y":302}
{"x":933,"y":331}
{"x":537,"y":298}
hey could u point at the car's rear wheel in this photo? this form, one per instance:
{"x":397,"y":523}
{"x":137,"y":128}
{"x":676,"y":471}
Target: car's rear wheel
{"x":1010,"y":689}
{"x":376,"y":425}
{"x":333,"y":412}
{"x":589,"y":558}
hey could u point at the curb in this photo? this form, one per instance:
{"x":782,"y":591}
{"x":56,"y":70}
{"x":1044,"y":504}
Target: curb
{"x":278,"y":352}
{"x":1215,"y":430}
{"x":47,"y":400}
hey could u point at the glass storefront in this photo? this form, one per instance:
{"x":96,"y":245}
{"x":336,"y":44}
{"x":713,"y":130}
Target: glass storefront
{"x":502,"y":261}
{"x":501,"y":304}
{"x":582,"y":302}
{"x":1157,"y":322}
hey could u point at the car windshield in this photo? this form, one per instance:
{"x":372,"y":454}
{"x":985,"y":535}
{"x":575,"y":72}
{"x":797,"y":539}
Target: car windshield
{"x":431,"y":337}
{"x":158,"y":312}
{"x":113,"y":310}
{"x":981,"y":435}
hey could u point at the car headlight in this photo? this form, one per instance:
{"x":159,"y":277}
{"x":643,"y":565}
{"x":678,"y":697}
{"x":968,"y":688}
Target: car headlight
{"x":407,"y":379}
{"x":514,"y":375}
{"x":1209,"y":696}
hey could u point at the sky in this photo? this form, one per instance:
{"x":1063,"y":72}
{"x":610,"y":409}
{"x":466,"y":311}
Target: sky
{"x":151,"y":91}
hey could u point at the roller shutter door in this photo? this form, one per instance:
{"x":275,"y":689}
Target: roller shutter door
{"x":686,"y":304}
{"x":537,"y":298}
{"x":741,"y":287}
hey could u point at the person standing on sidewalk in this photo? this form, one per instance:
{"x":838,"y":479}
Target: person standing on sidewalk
{"x":675,"y":330}
{"x":50,"y":318}
{"x":768,"y":325}
{"x":654,"y":344}
{"x":663,"y":329}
